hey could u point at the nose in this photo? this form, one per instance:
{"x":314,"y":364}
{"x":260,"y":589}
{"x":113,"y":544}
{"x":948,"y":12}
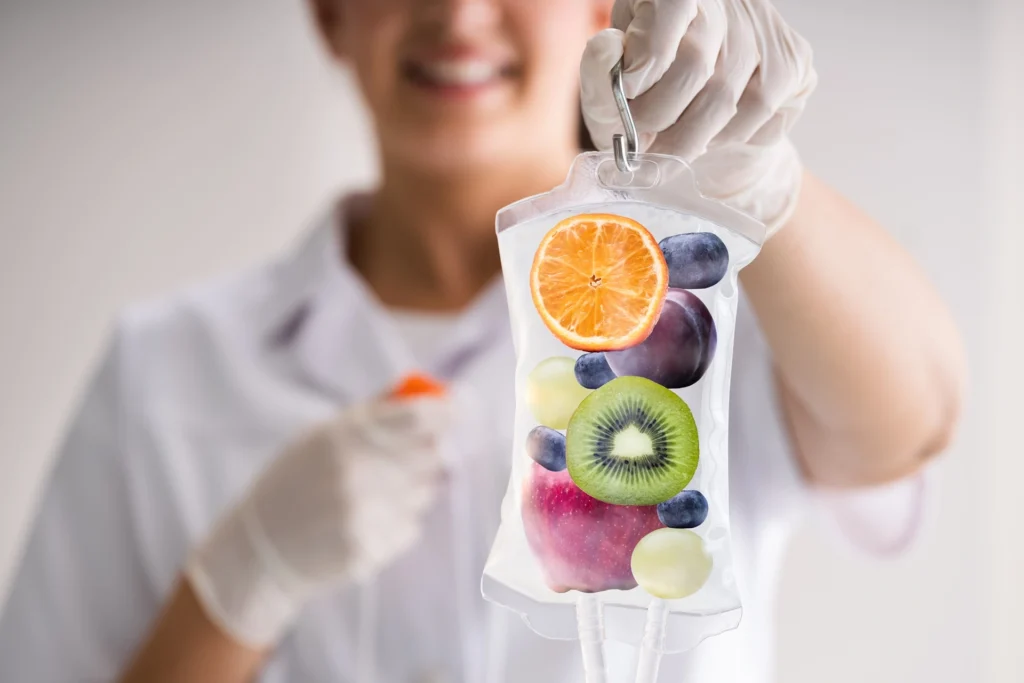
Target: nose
{"x":462,"y":17}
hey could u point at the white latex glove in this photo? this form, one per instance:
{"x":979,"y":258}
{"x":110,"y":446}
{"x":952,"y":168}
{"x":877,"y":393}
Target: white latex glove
{"x":716,"y":82}
{"x":338,"y":505}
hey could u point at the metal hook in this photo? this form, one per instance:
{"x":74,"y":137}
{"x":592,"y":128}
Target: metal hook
{"x":625,"y":147}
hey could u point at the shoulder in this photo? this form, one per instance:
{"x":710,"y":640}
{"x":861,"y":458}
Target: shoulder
{"x":187,"y":377}
{"x":216,"y":323}
{"x":217,"y":345}
{"x":186,"y":391}
{"x":229,"y":306}
{"x":236,"y":313}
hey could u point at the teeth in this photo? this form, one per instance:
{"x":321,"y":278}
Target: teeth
{"x":460,"y":72}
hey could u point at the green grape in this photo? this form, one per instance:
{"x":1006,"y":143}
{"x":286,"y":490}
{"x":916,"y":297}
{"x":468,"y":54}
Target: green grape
{"x":553,"y":393}
{"x":671,"y":563}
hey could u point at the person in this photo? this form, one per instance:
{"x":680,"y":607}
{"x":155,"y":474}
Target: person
{"x":235,"y":501}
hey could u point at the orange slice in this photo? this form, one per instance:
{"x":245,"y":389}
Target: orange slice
{"x":599,"y":282}
{"x":416,"y":385}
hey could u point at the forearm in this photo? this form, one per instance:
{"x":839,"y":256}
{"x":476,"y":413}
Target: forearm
{"x":869,"y":362}
{"x":186,"y":647}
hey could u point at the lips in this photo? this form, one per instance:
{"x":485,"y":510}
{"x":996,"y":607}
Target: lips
{"x":458,"y":73}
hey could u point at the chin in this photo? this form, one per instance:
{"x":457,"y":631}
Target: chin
{"x":452,"y":149}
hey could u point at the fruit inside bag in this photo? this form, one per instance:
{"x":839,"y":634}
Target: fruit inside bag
{"x":622,"y":290}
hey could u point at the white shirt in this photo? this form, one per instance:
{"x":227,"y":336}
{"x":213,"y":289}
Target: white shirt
{"x":196,"y":393}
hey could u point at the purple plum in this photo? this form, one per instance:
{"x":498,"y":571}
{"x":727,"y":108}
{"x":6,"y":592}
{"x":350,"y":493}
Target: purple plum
{"x":679,"y":349}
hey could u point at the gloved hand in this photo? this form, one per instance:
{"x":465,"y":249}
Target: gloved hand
{"x":716,"y":82}
{"x":337,"y":505}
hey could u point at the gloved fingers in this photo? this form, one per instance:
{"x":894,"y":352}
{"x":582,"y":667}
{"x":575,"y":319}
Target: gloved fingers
{"x":773,"y":130}
{"x":392,"y":426}
{"x":600,"y":114}
{"x":413,"y":415}
{"x":415,"y":470}
{"x":709,"y":113}
{"x":424,"y":463}
{"x":715,"y":105}
{"x":785,"y":77}
{"x":653,"y":31}
{"x":761,"y":118}
{"x":696,"y":56}
{"x":753,"y":111}
{"x":402,"y":508}
{"x":786,"y":117}
{"x":383,"y":526}
{"x":419,"y":498}
{"x":379,"y":547}
{"x":402,"y":503}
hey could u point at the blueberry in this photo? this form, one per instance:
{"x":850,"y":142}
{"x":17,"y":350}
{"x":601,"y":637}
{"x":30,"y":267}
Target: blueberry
{"x":592,"y":371}
{"x":695,"y":259}
{"x":547,"y":447}
{"x":685,"y":510}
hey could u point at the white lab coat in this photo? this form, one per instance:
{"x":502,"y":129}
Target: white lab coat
{"x":196,"y":393}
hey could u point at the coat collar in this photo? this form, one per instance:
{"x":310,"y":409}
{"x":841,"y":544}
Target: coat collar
{"x":341,"y":337}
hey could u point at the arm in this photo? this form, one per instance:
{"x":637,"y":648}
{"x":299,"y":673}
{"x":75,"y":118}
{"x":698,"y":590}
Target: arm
{"x":870,"y":365}
{"x":870,"y":368}
{"x":184,"y":645}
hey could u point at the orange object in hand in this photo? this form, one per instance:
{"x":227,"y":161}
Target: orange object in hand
{"x":417,"y":385}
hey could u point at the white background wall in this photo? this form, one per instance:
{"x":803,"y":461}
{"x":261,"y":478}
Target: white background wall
{"x":147,"y":144}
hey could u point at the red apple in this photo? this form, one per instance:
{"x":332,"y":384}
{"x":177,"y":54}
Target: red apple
{"x":582,"y":543}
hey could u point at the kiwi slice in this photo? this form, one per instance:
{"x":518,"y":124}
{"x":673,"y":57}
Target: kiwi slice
{"x":632,"y":442}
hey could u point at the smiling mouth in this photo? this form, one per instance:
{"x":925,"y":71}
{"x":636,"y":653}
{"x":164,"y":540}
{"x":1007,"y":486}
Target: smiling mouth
{"x":458,"y":75}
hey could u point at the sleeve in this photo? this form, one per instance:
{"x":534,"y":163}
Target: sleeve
{"x":883,"y":521}
{"x":79,"y":602}
{"x":879,"y":521}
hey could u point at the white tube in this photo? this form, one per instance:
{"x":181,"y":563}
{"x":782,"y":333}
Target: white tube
{"x":649,"y":659}
{"x":590,"y":623}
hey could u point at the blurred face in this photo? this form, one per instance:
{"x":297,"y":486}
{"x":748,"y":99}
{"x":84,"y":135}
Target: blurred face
{"x":455,"y":85}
